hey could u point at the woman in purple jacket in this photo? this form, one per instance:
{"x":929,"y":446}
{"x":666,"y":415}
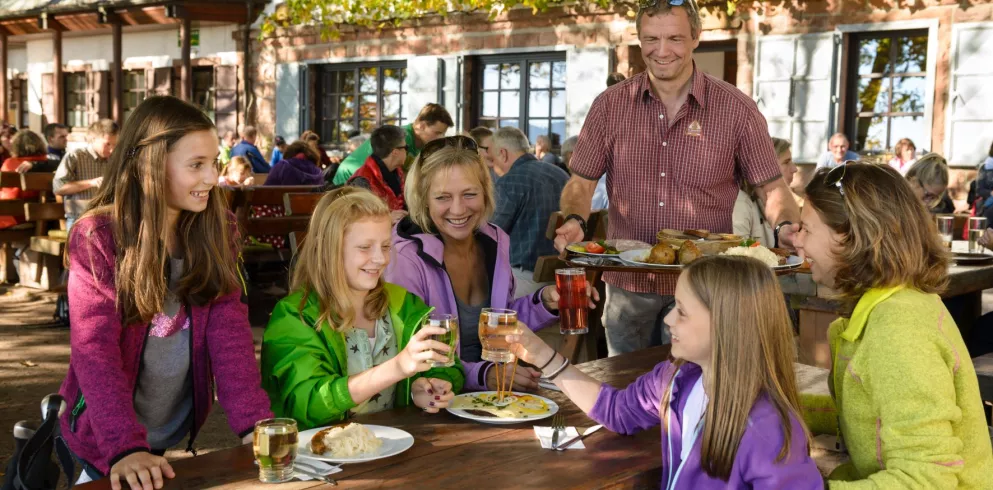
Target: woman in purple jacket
{"x":155,"y":304}
{"x":728,"y":403}
{"x":450,"y":256}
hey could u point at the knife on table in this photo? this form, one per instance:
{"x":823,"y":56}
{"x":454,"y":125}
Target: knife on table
{"x":566,"y":444}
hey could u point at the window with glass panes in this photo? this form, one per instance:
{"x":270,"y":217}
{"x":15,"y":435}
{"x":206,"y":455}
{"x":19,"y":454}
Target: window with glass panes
{"x":135,"y":90}
{"x":888,"y":83}
{"x":203,"y":89}
{"x":75,"y":100}
{"x":360,"y":97}
{"x":526,"y":92}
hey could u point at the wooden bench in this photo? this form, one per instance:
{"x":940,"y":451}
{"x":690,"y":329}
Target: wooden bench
{"x":243,"y":199}
{"x":36,"y":270}
{"x":300,"y":204}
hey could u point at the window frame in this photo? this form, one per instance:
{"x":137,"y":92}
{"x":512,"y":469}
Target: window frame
{"x":523,"y":118}
{"x":141,"y":88}
{"x":327,"y":116}
{"x":211,"y":91}
{"x":853,"y":77}
{"x":83,"y":93}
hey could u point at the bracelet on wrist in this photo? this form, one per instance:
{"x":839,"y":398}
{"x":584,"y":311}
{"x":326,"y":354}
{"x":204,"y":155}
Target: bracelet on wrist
{"x":565,"y":364}
{"x":550,"y":359}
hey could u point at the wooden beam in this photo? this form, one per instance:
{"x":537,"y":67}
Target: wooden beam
{"x":3,"y":75}
{"x":57,"y":78}
{"x":117,"y":76}
{"x":186,"y":69}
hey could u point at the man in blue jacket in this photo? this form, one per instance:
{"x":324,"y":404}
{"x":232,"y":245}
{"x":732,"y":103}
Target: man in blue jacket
{"x":251,"y":152}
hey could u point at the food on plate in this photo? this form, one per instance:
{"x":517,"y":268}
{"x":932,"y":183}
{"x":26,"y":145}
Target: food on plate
{"x":698,"y":233}
{"x":729,"y":236}
{"x":345,"y":441}
{"x":688,"y":252}
{"x":661,"y":254}
{"x":755,"y":250}
{"x":514,"y":406}
{"x":597,"y":247}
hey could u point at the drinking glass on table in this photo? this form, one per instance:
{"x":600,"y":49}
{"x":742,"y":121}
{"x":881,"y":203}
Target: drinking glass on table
{"x":450,"y":324}
{"x":275,"y":445}
{"x":494,"y":326}
{"x":977,"y":226}
{"x":573,"y":303}
{"x":945,"y":227}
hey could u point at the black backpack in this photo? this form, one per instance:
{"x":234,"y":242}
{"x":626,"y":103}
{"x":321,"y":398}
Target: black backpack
{"x":31,"y":467}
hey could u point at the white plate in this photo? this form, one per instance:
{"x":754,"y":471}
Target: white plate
{"x":395,"y":441}
{"x":552,"y":409}
{"x":620,"y":244}
{"x":637,"y":257}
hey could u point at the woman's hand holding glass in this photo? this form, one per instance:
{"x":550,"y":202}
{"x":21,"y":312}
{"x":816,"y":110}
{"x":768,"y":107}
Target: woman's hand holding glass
{"x":550,"y":297}
{"x":421,"y":351}
{"x":528,"y":347}
{"x":431,"y":394}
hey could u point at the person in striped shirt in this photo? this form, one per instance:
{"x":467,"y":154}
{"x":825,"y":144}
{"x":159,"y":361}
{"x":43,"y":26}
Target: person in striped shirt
{"x":81,"y":172}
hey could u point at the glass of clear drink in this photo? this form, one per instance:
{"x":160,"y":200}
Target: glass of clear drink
{"x":275,"y":445}
{"x":977,"y":226}
{"x":945,"y":226}
{"x":573,"y":303}
{"x":450,"y":324}
{"x":494,"y":326}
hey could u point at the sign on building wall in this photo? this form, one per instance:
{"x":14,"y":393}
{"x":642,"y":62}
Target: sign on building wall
{"x":194,"y":38}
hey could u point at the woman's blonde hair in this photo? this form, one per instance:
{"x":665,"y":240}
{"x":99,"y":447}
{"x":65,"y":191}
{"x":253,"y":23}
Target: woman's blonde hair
{"x":320,"y":265}
{"x":426,"y":169}
{"x":751,"y":356}
{"x":888,"y":237}
{"x":931,"y":169}
{"x":237,"y":162}
{"x":781,"y":146}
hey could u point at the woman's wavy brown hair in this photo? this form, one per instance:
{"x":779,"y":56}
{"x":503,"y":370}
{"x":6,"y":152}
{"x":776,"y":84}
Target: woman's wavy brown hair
{"x":888,"y":237}
{"x":133,"y":195}
{"x":320,"y":264}
{"x":27,"y":143}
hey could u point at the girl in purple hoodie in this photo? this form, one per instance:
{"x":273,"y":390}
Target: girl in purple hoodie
{"x":727,"y":403}
{"x":448,"y":254}
{"x":155,"y":304}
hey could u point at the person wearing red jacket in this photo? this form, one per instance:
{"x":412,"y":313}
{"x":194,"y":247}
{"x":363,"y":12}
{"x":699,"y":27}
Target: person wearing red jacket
{"x":382,"y":172}
{"x":27,"y":149}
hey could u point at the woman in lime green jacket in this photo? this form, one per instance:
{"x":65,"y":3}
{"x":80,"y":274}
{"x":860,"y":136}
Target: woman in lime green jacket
{"x":904,"y":394}
{"x":345,"y":342}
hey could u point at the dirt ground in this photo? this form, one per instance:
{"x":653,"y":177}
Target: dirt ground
{"x":34,"y":357}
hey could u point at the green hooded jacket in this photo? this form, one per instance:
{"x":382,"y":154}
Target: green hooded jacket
{"x":305,"y":371}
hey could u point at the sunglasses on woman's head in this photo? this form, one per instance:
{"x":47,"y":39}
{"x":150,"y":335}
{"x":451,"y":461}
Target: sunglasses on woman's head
{"x":459,"y":141}
{"x":835,"y":176}
{"x":648,"y":4}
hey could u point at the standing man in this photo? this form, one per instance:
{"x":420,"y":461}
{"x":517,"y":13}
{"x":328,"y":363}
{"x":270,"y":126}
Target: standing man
{"x":80,"y":173}
{"x":527,"y":195}
{"x":432,"y":123}
{"x":673,"y":142}
{"x":838,"y":152}
{"x":249,"y":151}
{"x":57,"y":136}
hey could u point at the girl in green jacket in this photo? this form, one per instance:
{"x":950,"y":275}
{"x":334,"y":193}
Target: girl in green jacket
{"x":345,"y":342}
{"x":904,"y":395}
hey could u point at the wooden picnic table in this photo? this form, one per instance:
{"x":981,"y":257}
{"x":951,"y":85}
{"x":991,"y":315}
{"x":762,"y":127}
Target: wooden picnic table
{"x":454,"y":453}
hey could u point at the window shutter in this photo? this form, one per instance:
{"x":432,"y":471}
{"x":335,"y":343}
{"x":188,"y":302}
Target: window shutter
{"x":288,"y":91}
{"x":162,"y":81}
{"x":969,"y":120}
{"x":226,"y":98}
{"x":98,"y":95}
{"x":48,"y":99}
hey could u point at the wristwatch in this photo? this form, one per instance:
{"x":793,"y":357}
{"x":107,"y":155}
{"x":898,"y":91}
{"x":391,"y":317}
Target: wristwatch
{"x":775,"y":233}
{"x":582,"y":222}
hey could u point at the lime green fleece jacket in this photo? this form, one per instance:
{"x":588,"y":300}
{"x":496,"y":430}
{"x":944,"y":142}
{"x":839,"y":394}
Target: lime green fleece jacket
{"x":906,"y":398}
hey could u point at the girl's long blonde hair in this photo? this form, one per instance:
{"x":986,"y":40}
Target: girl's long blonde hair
{"x":752,"y":355}
{"x":320,"y":265}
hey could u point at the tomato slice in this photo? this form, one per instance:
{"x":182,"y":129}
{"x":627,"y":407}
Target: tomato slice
{"x":595,"y":248}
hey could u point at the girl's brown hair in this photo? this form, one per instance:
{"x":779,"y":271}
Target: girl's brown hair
{"x":133,"y":194}
{"x":300,"y":146}
{"x":320,"y":264}
{"x":752,"y":353}
{"x":427,"y":167}
{"x":888,"y":237}
{"x":27,"y":143}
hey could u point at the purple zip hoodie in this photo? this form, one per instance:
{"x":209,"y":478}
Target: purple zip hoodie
{"x":101,"y":426}
{"x":636,"y":408}
{"x":417,"y":266}
{"x":295,"y":170}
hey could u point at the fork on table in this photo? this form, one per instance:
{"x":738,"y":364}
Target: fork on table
{"x":558,"y":425}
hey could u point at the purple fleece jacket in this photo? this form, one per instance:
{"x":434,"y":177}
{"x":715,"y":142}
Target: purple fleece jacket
{"x":106,"y":357}
{"x":636,"y":408}
{"x":295,"y":170}
{"x":417,"y":265}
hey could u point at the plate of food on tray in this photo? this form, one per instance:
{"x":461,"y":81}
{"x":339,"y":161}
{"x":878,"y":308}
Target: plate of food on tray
{"x":513,"y":408}
{"x":605,"y":248}
{"x":353,"y":442}
{"x":675,"y":249}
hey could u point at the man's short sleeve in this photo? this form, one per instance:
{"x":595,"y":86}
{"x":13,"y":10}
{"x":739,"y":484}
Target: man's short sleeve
{"x":65,"y":173}
{"x":755,"y":156}
{"x":594,"y":152}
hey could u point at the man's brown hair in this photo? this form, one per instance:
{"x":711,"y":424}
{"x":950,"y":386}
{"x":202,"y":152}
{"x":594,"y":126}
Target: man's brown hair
{"x":662,"y":7}
{"x":103,"y":127}
{"x":435,"y":113}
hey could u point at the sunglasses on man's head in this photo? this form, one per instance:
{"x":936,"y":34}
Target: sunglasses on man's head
{"x":459,"y":141}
